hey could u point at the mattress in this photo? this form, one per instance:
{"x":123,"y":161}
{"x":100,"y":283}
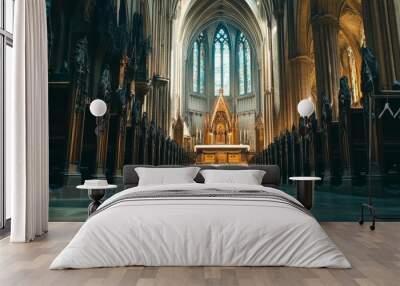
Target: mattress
{"x":201,"y":225}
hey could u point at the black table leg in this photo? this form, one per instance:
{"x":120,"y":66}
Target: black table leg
{"x":305,"y":193}
{"x":96,"y":196}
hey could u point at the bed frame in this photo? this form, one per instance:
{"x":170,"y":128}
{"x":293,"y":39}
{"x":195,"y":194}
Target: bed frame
{"x":272,"y":177}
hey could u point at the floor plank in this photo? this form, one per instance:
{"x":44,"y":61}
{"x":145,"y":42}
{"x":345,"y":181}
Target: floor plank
{"x":375,"y":257}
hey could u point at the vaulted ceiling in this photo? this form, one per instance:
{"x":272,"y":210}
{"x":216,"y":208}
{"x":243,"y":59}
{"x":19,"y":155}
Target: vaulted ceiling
{"x":250,"y":16}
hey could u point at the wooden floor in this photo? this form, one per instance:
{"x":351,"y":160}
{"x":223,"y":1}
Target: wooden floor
{"x":375,"y":257}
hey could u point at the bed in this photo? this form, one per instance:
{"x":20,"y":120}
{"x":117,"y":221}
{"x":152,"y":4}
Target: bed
{"x":198,"y":224}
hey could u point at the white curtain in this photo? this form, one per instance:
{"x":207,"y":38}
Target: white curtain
{"x":27,"y":124}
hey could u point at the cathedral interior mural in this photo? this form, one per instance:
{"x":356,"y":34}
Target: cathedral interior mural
{"x":220,"y":82}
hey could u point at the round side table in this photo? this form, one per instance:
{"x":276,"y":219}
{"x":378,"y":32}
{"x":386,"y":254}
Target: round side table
{"x":305,"y":190}
{"x":96,"y":194}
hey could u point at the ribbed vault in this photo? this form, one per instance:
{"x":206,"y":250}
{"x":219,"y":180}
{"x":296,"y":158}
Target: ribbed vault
{"x":243,"y":14}
{"x":252,"y":17}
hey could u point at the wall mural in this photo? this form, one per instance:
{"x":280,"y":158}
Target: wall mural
{"x":170,"y":103}
{"x":95,"y":54}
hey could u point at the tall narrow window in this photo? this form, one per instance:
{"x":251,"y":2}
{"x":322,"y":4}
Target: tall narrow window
{"x":248,"y":66}
{"x":221,"y":62}
{"x":199,"y":66}
{"x":202,"y":81}
{"x":245,"y":86}
{"x":195,"y":66}
{"x":241,"y":69}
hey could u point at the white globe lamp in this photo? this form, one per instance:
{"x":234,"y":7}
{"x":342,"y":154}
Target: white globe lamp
{"x":305,"y":108}
{"x":98,"y":108}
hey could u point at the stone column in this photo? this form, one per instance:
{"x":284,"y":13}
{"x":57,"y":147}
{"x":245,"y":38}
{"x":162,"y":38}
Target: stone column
{"x":102,"y":145}
{"x":269,"y":117}
{"x":121,"y":137}
{"x":300,"y":80}
{"x":382,"y":35}
{"x":72,"y":174}
{"x":75,"y":141}
{"x":77,"y":110}
{"x":325,"y":34}
{"x":285,"y":101}
{"x":120,"y":153}
{"x":397,"y":6}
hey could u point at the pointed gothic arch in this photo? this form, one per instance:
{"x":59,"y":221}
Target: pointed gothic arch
{"x":244,"y":64}
{"x":221,"y":59}
{"x":198,"y":62}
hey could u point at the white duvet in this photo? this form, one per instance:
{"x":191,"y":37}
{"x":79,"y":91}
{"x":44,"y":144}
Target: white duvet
{"x":200,"y":231}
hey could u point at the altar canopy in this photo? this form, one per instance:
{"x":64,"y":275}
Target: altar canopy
{"x":221,"y":126}
{"x":221,"y":140}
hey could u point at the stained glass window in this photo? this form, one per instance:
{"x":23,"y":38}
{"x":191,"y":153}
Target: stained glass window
{"x":241,"y":69}
{"x":218,"y":68}
{"x":222,"y":62}
{"x":248,"y":66}
{"x":199,"y":66}
{"x":202,"y":67}
{"x":195,"y":66}
{"x":244,"y":65}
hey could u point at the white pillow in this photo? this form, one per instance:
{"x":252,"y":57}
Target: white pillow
{"x":248,"y":177}
{"x":166,"y":176}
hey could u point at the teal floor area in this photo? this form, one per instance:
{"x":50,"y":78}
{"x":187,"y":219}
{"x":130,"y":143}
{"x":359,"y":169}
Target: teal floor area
{"x":333,"y":202}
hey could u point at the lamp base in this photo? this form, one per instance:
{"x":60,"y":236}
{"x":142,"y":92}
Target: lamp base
{"x":372,"y":213}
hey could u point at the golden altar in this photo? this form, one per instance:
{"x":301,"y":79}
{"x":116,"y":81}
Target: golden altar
{"x":221,"y":144}
{"x":221,"y":154}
